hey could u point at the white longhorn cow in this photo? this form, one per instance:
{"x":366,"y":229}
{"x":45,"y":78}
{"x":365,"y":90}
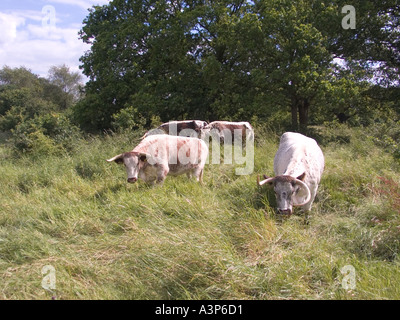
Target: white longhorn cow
{"x":298,"y":166}
{"x":157,"y":156}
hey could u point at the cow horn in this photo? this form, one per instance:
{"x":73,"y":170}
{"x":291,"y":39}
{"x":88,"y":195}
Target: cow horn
{"x":267,"y":180}
{"x":306,"y":189}
{"x":118,"y":157}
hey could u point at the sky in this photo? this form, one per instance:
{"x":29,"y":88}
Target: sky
{"x":39,"y":34}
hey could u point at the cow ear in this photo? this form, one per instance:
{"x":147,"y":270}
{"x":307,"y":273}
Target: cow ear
{"x":301,"y":177}
{"x":117,"y":159}
{"x":143,"y":157}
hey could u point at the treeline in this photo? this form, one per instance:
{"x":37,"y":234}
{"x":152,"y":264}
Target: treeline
{"x":286,"y":63}
{"x":36,"y":111}
{"x":281,"y":64}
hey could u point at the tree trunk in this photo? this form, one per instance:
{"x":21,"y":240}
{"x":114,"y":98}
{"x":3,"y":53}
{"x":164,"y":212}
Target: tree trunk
{"x":300,"y":108}
{"x":304,"y":106}
{"x":295,"y":123}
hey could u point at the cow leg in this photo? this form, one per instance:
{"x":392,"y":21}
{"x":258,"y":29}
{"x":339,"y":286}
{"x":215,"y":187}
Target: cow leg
{"x":198,"y":173}
{"x":201,"y":176}
{"x":162,"y":172}
{"x":160,"y":180}
{"x":151,"y":182}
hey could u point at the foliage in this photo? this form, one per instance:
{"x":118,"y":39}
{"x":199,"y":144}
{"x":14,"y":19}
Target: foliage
{"x":128,"y":119}
{"x":69,"y":82}
{"x":232,"y":60}
{"x":46,"y":134}
{"x":278,"y":64}
{"x":35,"y":109}
{"x":377,"y":45}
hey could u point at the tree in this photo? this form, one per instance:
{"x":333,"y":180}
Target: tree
{"x":69,"y":82}
{"x":228,"y":59}
{"x":24,"y":95}
{"x":175,"y":59}
{"x":300,"y":64}
{"x":376,"y":38}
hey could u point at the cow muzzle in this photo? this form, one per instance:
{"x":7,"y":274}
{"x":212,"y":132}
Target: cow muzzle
{"x":132,"y":180}
{"x":286,"y":212}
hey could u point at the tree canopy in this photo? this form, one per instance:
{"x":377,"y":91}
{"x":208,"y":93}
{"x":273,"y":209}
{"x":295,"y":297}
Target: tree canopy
{"x":277,"y":60}
{"x":34,"y":109}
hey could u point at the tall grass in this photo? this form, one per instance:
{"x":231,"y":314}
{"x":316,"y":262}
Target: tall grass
{"x":108,"y":239}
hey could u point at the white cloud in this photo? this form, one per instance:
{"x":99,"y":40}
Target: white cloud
{"x":8,"y":27}
{"x":24,"y":41}
{"x":39,"y":49}
{"x":84,"y":4}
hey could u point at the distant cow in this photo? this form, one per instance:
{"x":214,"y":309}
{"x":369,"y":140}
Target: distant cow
{"x":157,"y":156}
{"x":228,"y":132}
{"x":298,"y":165}
{"x":186,"y":128}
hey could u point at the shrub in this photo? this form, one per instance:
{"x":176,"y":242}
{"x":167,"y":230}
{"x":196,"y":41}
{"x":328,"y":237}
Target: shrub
{"x":128,"y":119}
{"x":12,"y":118}
{"x":387,"y":135}
{"x":46,"y":134}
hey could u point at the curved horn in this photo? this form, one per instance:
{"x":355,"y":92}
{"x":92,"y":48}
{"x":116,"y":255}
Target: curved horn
{"x":268,"y":180}
{"x":118,"y":158}
{"x":308,"y":192}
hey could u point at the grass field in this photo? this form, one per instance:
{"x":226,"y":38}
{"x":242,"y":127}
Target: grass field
{"x":107,"y":239}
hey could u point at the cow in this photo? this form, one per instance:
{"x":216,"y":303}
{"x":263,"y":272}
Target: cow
{"x":157,"y":156}
{"x":186,"y":128}
{"x":228,"y":132}
{"x":298,"y":166}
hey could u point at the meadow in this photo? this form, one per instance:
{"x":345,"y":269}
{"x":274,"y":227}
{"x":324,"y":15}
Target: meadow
{"x":107,"y":239}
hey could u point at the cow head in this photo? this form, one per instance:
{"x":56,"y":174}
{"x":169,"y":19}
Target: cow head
{"x":133,"y":162}
{"x":289,"y":191}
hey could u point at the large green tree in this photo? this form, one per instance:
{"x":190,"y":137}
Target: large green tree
{"x":231,"y":59}
{"x":170,"y":58}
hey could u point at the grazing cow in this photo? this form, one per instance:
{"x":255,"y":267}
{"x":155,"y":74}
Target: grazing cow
{"x":298,"y":165}
{"x":186,"y":128}
{"x":157,"y":156}
{"x":228,"y":132}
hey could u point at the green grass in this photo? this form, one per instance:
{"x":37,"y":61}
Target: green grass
{"x":108,"y":239}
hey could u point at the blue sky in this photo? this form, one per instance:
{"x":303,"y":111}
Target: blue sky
{"x":38,"y":34}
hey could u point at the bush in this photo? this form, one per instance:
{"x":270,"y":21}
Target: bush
{"x":46,"y":134}
{"x":387,"y":135}
{"x":128,"y":119}
{"x":12,"y":118}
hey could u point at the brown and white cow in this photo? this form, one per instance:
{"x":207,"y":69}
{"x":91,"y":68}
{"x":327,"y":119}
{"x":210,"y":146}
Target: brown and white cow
{"x":229,"y":132}
{"x":159,"y":155}
{"x":186,"y":128}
